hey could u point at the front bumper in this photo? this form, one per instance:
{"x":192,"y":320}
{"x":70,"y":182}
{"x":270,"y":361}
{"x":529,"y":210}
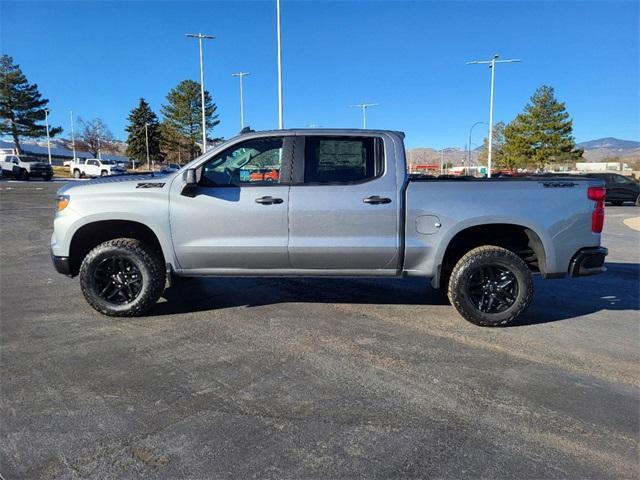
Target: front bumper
{"x":61,"y":264}
{"x":588,"y":261}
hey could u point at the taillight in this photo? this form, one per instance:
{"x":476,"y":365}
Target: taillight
{"x":597,"y":194}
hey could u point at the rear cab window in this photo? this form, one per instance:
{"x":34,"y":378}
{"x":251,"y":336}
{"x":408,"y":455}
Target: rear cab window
{"x":342,"y":159}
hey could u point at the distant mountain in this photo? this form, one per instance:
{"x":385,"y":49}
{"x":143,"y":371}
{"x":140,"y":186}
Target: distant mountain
{"x":602,"y":149}
{"x":609,"y":143}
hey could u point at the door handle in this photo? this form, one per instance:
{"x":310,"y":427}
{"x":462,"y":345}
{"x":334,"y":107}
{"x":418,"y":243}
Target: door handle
{"x":376,"y":200}
{"x":268,"y":200}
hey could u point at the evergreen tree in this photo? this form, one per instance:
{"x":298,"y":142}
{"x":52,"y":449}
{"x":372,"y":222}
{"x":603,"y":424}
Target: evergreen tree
{"x":173,"y":144}
{"x":183,"y":113}
{"x":21,"y":105}
{"x":137,"y":140}
{"x":498,"y":158}
{"x":542,"y":134}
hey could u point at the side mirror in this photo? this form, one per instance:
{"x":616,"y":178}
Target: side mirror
{"x":190,"y":183}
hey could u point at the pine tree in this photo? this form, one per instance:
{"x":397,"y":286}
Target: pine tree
{"x":183,"y":112}
{"x":21,"y":105}
{"x":498,"y":158}
{"x":542,"y":134}
{"x":137,"y":140}
{"x":173,"y":144}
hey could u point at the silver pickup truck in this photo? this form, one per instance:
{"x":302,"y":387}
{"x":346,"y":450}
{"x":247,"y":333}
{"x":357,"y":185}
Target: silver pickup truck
{"x":326,"y":203}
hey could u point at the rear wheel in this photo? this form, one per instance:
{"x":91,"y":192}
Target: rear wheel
{"x":637,"y":201}
{"x":76,"y":173}
{"x":490,"y":286}
{"x":47,"y":177}
{"x":22,"y":174}
{"x":122,"y":277}
{"x":104,"y":173}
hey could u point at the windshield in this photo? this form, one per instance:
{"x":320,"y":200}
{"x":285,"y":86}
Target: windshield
{"x":29,"y":159}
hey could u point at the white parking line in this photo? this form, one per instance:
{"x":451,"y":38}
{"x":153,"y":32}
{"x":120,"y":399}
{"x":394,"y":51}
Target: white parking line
{"x":633,"y":223}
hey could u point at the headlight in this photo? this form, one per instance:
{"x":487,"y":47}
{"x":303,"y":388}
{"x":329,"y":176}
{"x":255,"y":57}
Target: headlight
{"x":61,"y":202}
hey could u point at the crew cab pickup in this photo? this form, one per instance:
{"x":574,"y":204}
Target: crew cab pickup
{"x":341,"y":204}
{"x":95,"y":167}
{"x":23,"y":167}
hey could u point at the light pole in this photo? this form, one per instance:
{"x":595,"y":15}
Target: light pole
{"x":200,"y":36}
{"x":146,"y":138}
{"x":492,"y":66}
{"x":364,"y":107}
{"x":73,"y":137}
{"x":469,"y":155}
{"x":280,"y":108}
{"x":441,"y":161}
{"x":241,"y":75}
{"x":46,"y":122}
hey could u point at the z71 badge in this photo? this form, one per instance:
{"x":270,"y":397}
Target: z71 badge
{"x":150,"y":185}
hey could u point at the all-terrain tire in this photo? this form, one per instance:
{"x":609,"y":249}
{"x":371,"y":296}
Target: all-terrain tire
{"x":76,"y":173}
{"x":148,"y":262}
{"x":495,"y":257}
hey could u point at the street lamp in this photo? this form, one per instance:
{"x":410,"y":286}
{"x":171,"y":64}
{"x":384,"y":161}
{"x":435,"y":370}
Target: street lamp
{"x":241,"y":75}
{"x":469,"y":155}
{"x":492,"y":66}
{"x":364,"y":107}
{"x":280,"y":108}
{"x":73,"y":138}
{"x":46,"y":122}
{"x":200,"y":36}
{"x":146,"y":137}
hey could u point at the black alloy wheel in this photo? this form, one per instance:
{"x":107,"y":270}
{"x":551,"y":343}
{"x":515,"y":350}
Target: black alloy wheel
{"x":492,"y":288}
{"x":117,"y":280}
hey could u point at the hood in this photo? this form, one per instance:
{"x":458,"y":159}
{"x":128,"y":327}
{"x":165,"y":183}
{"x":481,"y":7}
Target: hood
{"x":124,"y":182}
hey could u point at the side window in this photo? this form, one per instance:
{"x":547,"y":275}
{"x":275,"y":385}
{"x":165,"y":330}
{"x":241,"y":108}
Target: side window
{"x":92,"y":162}
{"x":620,"y":179}
{"x":254,"y":162}
{"x":342,"y":159}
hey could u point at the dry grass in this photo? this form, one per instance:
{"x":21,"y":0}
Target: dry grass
{"x":61,"y":172}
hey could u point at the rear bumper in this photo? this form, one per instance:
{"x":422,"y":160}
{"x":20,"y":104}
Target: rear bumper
{"x":588,"y":261}
{"x":61,"y":264}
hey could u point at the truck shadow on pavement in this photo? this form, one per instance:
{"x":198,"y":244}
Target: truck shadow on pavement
{"x":554,"y":300}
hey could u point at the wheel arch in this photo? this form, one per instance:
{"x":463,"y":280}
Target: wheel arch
{"x":521,"y":239}
{"x":92,"y":234}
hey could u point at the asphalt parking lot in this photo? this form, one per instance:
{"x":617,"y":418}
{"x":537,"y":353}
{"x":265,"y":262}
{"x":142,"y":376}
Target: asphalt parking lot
{"x":308,"y":378}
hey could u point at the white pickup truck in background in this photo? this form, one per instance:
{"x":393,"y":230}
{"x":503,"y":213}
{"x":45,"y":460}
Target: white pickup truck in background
{"x":23,"y":167}
{"x":95,"y":167}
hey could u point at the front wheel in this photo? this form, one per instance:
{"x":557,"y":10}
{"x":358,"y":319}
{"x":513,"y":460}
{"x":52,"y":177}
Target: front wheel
{"x":490,"y":286}
{"x":76,"y":173}
{"x":104,"y":173}
{"x":122,"y":277}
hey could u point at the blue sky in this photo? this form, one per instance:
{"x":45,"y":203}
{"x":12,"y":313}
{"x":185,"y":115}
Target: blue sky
{"x":98,"y":58}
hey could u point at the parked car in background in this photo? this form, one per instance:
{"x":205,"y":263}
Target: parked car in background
{"x":171,"y":168}
{"x":95,"y":167}
{"x":620,"y":188}
{"x":264,"y":175}
{"x":24,"y":167}
{"x":342,"y":205}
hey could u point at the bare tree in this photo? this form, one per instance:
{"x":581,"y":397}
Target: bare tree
{"x":96,"y":137}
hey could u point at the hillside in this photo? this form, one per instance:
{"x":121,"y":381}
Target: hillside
{"x":598,"y":150}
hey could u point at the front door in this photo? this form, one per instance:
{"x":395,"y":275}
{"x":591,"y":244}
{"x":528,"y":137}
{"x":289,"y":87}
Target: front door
{"x":344,"y":205}
{"x":237,"y":219}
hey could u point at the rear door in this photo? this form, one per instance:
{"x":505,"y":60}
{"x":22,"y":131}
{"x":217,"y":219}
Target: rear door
{"x":343,"y":204}
{"x":237,"y":220}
